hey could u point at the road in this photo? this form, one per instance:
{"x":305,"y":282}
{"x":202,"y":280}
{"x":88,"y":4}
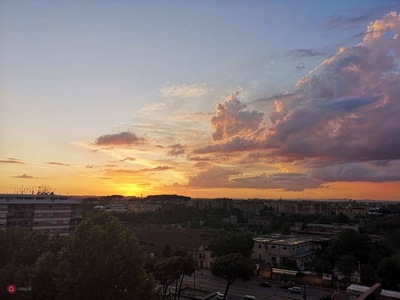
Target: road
{"x":239,"y":288}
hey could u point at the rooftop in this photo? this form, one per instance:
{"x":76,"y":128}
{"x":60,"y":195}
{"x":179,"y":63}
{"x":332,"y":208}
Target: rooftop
{"x":290,"y":240}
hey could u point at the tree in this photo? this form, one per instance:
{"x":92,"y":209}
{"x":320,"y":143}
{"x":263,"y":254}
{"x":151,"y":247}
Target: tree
{"x":346,"y":264}
{"x":389,"y":272}
{"x":43,"y":274}
{"x":232,"y":242}
{"x":171,"y":270}
{"x":342,"y":218}
{"x":232,"y":266}
{"x":180,"y":253}
{"x":167,"y":251}
{"x":286,"y":228}
{"x":103,"y":262}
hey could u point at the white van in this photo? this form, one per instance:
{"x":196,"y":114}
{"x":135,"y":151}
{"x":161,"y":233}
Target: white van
{"x":249,"y":297}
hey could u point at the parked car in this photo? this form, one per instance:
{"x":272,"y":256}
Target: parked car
{"x":249,"y":297}
{"x":295,"y":289}
{"x":326,"y":297}
{"x":265,"y":284}
{"x":220,"y":296}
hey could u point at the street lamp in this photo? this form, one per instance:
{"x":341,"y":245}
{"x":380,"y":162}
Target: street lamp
{"x":359,"y":270}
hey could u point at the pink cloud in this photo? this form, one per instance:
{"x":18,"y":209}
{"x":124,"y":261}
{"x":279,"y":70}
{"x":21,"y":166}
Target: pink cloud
{"x":233,"y":120}
{"x":212,"y":177}
{"x":119,"y":139}
{"x":346,"y":110}
{"x":176,"y":150}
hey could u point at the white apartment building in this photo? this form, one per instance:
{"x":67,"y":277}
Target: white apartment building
{"x":279,"y":249}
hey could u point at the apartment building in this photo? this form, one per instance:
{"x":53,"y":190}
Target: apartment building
{"x":280,"y":249}
{"x":139,"y":207}
{"x":303,"y":207}
{"x":352,"y":209}
{"x":49,"y":214}
{"x":248,"y":206}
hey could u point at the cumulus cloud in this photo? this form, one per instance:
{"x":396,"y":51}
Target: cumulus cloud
{"x":232,"y":120}
{"x":11,"y":161}
{"x":24,"y":176}
{"x":119,"y":139}
{"x":339,"y":123}
{"x":346,"y":110}
{"x":184,"y":91}
{"x":176,"y":149}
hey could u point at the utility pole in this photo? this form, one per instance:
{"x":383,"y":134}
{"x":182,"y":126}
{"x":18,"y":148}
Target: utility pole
{"x":195,"y":265}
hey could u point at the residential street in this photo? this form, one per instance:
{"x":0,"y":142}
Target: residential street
{"x":239,"y":288}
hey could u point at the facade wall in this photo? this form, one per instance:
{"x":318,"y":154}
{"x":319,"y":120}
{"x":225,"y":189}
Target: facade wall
{"x":45,"y":213}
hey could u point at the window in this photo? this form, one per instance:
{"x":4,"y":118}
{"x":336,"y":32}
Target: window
{"x":273,"y":247}
{"x":284,"y":248}
{"x":259,"y":246}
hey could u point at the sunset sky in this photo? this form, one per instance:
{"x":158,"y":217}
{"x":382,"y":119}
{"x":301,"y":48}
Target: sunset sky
{"x":240,"y":99}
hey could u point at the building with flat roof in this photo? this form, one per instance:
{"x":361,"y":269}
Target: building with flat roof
{"x":357,"y":290}
{"x":44,"y":213}
{"x":279,"y":250}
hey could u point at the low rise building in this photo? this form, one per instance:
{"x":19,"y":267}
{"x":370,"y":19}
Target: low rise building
{"x":282,"y":250}
{"x":328,"y":229}
{"x":352,"y":209}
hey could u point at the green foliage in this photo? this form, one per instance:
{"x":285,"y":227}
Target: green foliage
{"x":346,"y":264}
{"x":389,"y":272}
{"x":232,"y":242}
{"x":167,"y":251}
{"x":103,"y":262}
{"x":100,"y":261}
{"x":342,"y":218}
{"x":171,"y":270}
{"x":168,"y":214}
{"x":286,"y":228}
{"x":231,"y":267}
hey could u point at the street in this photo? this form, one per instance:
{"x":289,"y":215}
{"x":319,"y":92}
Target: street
{"x":239,"y":288}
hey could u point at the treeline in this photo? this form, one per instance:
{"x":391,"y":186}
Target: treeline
{"x":378,"y":262}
